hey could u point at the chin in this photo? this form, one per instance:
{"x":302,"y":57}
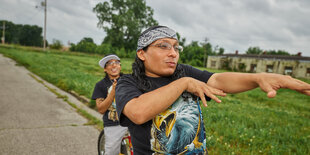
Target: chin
{"x":168,"y":72}
{"x":115,"y":74}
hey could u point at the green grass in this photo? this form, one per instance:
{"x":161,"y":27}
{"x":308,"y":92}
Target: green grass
{"x":250,"y":123}
{"x":66,"y":70}
{"x":245,"y":123}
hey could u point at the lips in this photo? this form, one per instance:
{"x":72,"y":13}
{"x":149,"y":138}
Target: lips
{"x":171,"y":64}
{"x":114,"y":69}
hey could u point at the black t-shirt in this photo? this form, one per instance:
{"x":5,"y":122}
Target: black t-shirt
{"x":101,"y":90}
{"x":179,"y":129}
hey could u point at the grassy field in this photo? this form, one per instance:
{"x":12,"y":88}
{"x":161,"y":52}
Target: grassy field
{"x":245,"y":123}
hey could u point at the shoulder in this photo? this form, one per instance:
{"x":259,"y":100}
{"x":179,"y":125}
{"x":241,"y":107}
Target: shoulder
{"x":188,"y":69}
{"x":102,"y":82}
{"x":125,"y":78}
{"x":198,"y":74}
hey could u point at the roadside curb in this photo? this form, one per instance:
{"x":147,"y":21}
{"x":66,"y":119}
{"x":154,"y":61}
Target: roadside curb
{"x":71,"y":98}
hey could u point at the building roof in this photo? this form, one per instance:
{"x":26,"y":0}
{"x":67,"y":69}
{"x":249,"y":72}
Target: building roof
{"x":267,"y":56}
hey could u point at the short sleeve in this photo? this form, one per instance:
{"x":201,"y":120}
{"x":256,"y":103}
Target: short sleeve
{"x":100,"y":91}
{"x":126,"y":90}
{"x":195,"y":73}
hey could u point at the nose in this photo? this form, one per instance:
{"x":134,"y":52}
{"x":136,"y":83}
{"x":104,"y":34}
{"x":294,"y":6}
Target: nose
{"x":173,"y":52}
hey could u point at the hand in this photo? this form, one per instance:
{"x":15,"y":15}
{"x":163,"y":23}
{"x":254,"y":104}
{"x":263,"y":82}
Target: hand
{"x":112,"y":93}
{"x":270,"y":83}
{"x":201,"y":89}
{"x":114,"y":84}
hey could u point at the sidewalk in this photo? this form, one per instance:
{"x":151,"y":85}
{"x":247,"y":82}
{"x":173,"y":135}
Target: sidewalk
{"x":34,"y":121}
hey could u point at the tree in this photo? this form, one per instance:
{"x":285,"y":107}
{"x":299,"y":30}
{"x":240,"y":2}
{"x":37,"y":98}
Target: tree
{"x":221,"y":51}
{"x":105,"y":49}
{"x":257,"y":50}
{"x":279,"y":52}
{"x":254,"y":50}
{"x":85,"y":45}
{"x":193,"y":54}
{"x":123,"y":20}
{"x":181,"y":40}
{"x":28,"y":35}
{"x":87,"y":39}
{"x":11,"y":31}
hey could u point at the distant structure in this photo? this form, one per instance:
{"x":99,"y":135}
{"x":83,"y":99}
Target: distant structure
{"x":296,"y":66}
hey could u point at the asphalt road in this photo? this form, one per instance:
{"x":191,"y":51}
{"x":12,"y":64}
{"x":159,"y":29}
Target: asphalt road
{"x":34,"y":121}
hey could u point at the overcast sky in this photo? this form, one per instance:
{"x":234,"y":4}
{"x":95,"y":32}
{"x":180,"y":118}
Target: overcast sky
{"x":231,"y":24}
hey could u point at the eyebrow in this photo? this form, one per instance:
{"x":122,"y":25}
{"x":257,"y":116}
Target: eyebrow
{"x":168,"y":41}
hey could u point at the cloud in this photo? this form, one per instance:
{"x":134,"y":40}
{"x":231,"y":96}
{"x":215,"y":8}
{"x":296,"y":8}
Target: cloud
{"x":238,"y":24}
{"x":66,"y":20}
{"x":233,"y":25}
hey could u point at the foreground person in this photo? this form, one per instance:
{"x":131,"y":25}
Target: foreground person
{"x":159,"y":102}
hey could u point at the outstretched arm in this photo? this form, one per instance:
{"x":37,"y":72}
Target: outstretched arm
{"x":231,"y":82}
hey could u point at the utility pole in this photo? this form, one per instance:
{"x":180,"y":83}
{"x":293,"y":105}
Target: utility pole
{"x":44,"y":39}
{"x":3,"y":33}
{"x":205,"y":52}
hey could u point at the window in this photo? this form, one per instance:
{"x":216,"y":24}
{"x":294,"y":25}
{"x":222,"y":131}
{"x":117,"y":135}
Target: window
{"x":213,"y":63}
{"x":253,"y":68}
{"x":269,"y":68}
{"x":241,"y":67}
{"x":288,"y":70}
{"x":308,"y":72}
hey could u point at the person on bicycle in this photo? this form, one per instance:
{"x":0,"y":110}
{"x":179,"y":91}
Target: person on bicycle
{"x":159,"y":101}
{"x":104,"y":94}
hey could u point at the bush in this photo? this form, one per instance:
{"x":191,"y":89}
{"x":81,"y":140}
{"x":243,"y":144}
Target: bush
{"x":86,"y":47}
{"x":104,"y":49}
{"x":57,"y":44}
{"x":131,"y":54}
{"x":121,"y":53}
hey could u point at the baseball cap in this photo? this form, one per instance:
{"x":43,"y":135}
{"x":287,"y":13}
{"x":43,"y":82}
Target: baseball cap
{"x":107,"y":58}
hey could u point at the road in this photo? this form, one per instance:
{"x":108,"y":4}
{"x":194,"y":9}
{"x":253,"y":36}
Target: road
{"x":34,"y":121}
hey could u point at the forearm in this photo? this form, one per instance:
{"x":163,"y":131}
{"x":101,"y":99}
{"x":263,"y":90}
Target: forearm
{"x":148,"y":105}
{"x":231,"y":82}
{"x":103,"y":104}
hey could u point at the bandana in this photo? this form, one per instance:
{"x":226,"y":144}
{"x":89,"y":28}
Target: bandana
{"x":154,"y":33}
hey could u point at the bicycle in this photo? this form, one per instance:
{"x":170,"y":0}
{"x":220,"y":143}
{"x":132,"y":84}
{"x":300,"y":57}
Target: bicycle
{"x":126,"y":146}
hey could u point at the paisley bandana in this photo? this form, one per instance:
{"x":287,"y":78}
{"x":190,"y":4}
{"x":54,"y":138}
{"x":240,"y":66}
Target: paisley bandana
{"x":154,"y":33}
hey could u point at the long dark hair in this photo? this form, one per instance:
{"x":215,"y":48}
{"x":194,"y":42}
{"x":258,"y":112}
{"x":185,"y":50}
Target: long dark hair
{"x":144,"y":84}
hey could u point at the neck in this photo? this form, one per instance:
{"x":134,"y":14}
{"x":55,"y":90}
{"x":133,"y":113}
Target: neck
{"x":113,"y":77}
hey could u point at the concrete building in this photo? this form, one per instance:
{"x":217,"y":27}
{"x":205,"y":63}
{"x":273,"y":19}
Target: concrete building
{"x":296,"y":66}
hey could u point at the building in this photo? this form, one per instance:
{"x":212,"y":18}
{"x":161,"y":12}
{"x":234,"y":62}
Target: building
{"x":296,"y":66}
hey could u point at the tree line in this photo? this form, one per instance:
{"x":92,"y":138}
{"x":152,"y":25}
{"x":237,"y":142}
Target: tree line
{"x":27,"y":35}
{"x":257,"y":50}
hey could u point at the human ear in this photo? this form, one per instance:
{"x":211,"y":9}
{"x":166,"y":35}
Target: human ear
{"x":140,"y":55}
